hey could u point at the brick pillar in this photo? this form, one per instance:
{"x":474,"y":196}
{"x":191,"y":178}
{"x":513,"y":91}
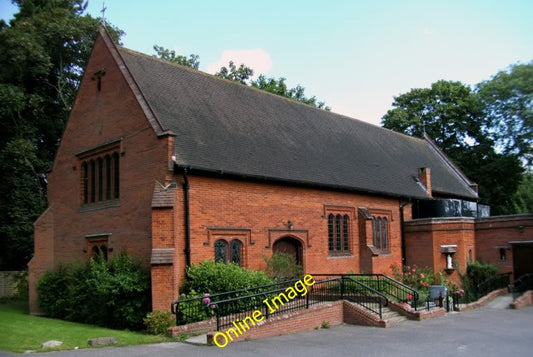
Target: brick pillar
{"x":164,"y":281}
{"x":43,"y":258}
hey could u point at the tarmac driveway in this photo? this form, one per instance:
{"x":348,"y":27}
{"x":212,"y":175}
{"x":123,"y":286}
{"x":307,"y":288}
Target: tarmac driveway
{"x":492,"y":330}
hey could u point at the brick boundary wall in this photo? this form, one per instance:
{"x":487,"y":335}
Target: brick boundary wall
{"x":417,"y":315}
{"x":335,"y":313}
{"x":483,"y":301}
{"x":524,"y":300}
{"x":8,"y":283}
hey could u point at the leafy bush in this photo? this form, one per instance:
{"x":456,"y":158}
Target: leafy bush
{"x":418,"y":278}
{"x":212,"y":278}
{"x":283,"y":266}
{"x":113,"y":293}
{"x":158,"y":322}
{"x":477,"y":273}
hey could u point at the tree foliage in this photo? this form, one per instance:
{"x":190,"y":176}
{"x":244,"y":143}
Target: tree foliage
{"x":42,"y":55}
{"x":278,"y":86}
{"x":243,"y":74}
{"x":508,"y":108}
{"x":238,"y":74}
{"x":455,"y":117}
{"x":192,"y":61}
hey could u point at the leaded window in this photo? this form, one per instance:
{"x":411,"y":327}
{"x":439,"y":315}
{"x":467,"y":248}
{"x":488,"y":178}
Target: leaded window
{"x":380,"y":233}
{"x":233,"y":251}
{"x":221,"y":247}
{"x":235,"y":248}
{"x":338,"y":233}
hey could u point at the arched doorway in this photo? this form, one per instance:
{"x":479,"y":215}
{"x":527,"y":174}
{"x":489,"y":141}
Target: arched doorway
{"x":289,"y":246}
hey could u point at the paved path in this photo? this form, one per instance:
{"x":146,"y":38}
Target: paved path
{"x":492,"y":330}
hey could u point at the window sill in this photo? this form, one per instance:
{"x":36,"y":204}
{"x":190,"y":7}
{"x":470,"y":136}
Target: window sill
{"x":346,"y":255}
{"x":378,"y":252}
{"x":96,"y":206}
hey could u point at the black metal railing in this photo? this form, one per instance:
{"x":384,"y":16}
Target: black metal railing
{"x":477,"y":291}
{"x":363,"y":295}
{"x":521,"y":285}
{"x":196,"y":309}
{"x":387,"y":286}
{"x":230,"y":312}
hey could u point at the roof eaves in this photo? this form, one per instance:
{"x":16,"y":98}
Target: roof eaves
{"x":229,"y":174}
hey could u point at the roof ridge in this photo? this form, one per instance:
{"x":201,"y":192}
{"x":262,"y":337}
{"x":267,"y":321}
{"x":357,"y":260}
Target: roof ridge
{"x":258,"y":90}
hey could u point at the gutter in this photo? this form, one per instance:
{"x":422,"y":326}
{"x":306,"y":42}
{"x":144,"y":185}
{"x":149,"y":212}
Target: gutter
{"x":402,"y":232}
{"x":187,"y":224}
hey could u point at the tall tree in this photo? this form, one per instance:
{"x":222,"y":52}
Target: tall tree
{"x":42,"y":55}
{"x":508,"y":109}
{"x":454,"y":116}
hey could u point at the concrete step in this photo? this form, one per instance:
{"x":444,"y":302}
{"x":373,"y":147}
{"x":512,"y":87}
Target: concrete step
{"x":392,"y":316}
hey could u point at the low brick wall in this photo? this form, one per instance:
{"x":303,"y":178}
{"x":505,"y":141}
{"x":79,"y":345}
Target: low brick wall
{"x":335,"y":313}
{"x":418,"y":315}
{"x":483,"y":301}
{"x":524,"y":300}
{"x":194,"y":328}
{"x":357,"y":316}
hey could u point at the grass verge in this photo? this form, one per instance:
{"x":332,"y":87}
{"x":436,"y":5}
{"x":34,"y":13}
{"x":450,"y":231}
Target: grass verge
{"x":22,"y":332}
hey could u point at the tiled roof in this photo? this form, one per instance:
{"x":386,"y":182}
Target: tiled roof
{"x":229,"y":128}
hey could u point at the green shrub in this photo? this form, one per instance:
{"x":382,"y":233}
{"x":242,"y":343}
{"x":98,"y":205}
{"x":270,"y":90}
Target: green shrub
{"x":113,"y":293}
{"x":476,"y":273}
{"x":209,"y":277}
{"x":158,"y":322}
{"x":283,"y":266}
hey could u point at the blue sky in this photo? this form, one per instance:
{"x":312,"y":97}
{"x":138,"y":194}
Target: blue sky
{"x":355,"y":55}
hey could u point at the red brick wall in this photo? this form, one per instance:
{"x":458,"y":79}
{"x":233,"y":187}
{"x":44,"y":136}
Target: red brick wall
{"x":264,"y":210}
{"x":99,"y":117}
{"x":493,"y":233}
{"x":424,"y":237}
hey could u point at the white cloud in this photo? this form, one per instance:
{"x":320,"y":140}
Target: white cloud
{"x":257,"y":59}
{"x":427,"y":31}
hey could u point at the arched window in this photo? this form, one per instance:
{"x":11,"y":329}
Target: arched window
{"x":233,"y":251}
{"x":235,"y":248}
{"x":384,"y":244}
{"x":221,"y":249}
{"x":338,"y":233}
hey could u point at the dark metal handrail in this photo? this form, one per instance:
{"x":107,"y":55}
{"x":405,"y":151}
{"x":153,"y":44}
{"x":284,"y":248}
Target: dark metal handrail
{"x":364,"y":302}
{"x":496,"y":282}
{"x":388,"y":286}
{"x":522,"y":284}
{"x":229,"y":310}
{"x":197,"y":309}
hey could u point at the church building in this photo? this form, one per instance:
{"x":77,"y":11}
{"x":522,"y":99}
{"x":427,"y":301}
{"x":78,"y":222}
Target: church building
{"x":177,"y":166}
